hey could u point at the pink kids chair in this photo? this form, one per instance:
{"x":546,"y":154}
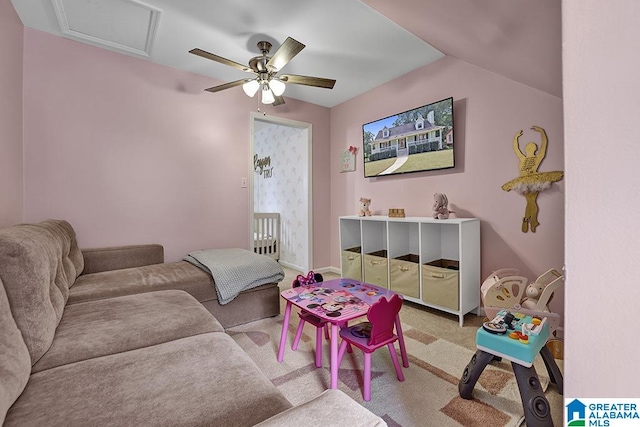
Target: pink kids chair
{"x":306,"y":317}
{"x":372,"y":335}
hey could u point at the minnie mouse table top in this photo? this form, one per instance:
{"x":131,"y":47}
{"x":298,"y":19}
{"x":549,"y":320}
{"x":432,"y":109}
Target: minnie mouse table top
{"x":336,"y":300}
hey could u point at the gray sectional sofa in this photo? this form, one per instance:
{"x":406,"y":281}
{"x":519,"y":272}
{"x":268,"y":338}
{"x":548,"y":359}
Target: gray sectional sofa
{"x":84,"y":341}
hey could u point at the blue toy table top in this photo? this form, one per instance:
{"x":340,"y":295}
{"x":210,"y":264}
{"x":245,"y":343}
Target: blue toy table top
{"x":507,"y":346}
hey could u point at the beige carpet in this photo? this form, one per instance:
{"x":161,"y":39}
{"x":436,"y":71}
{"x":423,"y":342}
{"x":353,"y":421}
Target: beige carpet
{"x":438,"y":352}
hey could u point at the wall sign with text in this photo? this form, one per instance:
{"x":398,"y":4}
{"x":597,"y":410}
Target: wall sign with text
{"x":262,"y":166}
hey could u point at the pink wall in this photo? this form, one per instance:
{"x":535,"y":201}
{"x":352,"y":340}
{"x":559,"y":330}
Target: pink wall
{"x":488,"y":111}
{"x":601,"y":91}
{"x":133,"y":152}
{"x":11,"y":185}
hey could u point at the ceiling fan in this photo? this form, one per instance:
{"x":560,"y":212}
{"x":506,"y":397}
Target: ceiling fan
{"x":265,"y":68}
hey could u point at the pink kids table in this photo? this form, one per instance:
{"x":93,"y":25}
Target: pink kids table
{"x":336,"y":301}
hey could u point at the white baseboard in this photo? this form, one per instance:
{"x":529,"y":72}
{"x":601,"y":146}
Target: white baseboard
{"x":328,"y":270}
{"x":317,"y":270}
{"x":291,"y":266}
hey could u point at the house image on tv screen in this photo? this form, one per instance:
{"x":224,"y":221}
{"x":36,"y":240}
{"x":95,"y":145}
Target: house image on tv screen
{"x":413,"y":141}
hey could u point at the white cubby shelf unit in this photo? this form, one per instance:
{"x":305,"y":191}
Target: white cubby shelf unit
{"x":432,"y":262}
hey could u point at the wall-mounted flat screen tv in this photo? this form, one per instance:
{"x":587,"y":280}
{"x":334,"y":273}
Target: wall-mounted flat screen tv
{"x":412,"y":141}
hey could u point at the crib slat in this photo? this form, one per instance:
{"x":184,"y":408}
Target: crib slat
{"x":267,"y":234}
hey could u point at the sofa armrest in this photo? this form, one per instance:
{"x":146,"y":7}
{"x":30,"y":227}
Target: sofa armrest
{"x":323,"y":411}
{"x":118,"y":257}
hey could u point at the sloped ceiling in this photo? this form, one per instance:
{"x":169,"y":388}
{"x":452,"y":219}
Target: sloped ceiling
{"x":518,"y":39}
{"x":361,"y":44}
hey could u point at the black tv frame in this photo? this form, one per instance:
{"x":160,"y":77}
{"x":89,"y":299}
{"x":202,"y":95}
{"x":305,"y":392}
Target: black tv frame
{"x":416,"y":136}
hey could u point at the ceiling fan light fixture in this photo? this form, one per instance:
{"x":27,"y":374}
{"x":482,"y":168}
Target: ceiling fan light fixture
{"x":277,"y":86}
{"x":264,"y":69}
{"x":251,"y":87}
{"x":267,"y":95}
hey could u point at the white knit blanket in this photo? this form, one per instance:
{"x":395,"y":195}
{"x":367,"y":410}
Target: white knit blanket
{"x":236,"y":270}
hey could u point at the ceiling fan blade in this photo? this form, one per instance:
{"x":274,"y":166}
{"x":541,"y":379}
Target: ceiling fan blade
{"x":227,"y":85}
{"x":308,"y":81}
{"x":221,"y":60}
{"x":279,"y":101}
{"x":284,"y":54}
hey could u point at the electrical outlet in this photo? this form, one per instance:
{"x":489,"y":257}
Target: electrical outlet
{"x":243,"y":183}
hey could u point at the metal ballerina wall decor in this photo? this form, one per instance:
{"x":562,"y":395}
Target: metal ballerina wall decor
{"x":531,"y":182}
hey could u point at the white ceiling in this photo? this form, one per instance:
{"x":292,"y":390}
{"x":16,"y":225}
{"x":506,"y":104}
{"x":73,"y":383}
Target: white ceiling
{"x":361,"y":44}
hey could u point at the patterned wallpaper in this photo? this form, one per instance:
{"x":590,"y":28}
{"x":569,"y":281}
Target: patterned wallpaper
{"x":282,"y":155}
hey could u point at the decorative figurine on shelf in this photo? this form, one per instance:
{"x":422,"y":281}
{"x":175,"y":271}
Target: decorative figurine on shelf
{"x":531,"y":182}
{"x":364,"y":207}
{"x":441,"y":206}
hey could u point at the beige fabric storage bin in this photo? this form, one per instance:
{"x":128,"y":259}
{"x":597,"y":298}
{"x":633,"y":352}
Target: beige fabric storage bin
{"x":376,"y":268}
{"x":352,"y":264}
{"x":404,"y":275}
{"x":440,"y":283}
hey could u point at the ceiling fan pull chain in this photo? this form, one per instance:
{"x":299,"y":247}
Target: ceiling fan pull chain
{"x":264,"y":113}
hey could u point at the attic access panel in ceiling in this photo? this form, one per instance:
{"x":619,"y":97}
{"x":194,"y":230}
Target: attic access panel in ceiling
{"x":122,"y":25}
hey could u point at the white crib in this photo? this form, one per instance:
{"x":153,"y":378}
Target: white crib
{"x":266,"y":234}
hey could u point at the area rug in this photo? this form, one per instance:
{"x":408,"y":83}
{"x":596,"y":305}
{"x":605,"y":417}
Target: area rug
{"x":427,"y":397}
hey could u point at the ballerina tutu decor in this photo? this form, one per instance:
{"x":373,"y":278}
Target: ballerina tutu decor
{"x":531,"y":182}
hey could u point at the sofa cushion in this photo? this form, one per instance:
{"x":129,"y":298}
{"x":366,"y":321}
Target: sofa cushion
{"x":201,"y":380}
{"x":174,"y":275}
{"x":72,"y":257}
{"x":15,"y":362}
{"x":252,"y":304}
{"x":39,"y":263}
{"x":113,"y":325}
{"x":119,"y":257}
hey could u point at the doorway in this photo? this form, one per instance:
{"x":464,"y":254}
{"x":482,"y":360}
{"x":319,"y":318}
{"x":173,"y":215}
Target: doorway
{"x":280,"y":182}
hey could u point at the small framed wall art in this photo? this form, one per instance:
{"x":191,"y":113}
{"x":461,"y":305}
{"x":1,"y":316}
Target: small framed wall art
{"x":348,"y":159}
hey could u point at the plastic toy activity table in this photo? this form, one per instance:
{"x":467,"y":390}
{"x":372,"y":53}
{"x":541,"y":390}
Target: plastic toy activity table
{"x":519,"y":338}
{"x":336,"y":301}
